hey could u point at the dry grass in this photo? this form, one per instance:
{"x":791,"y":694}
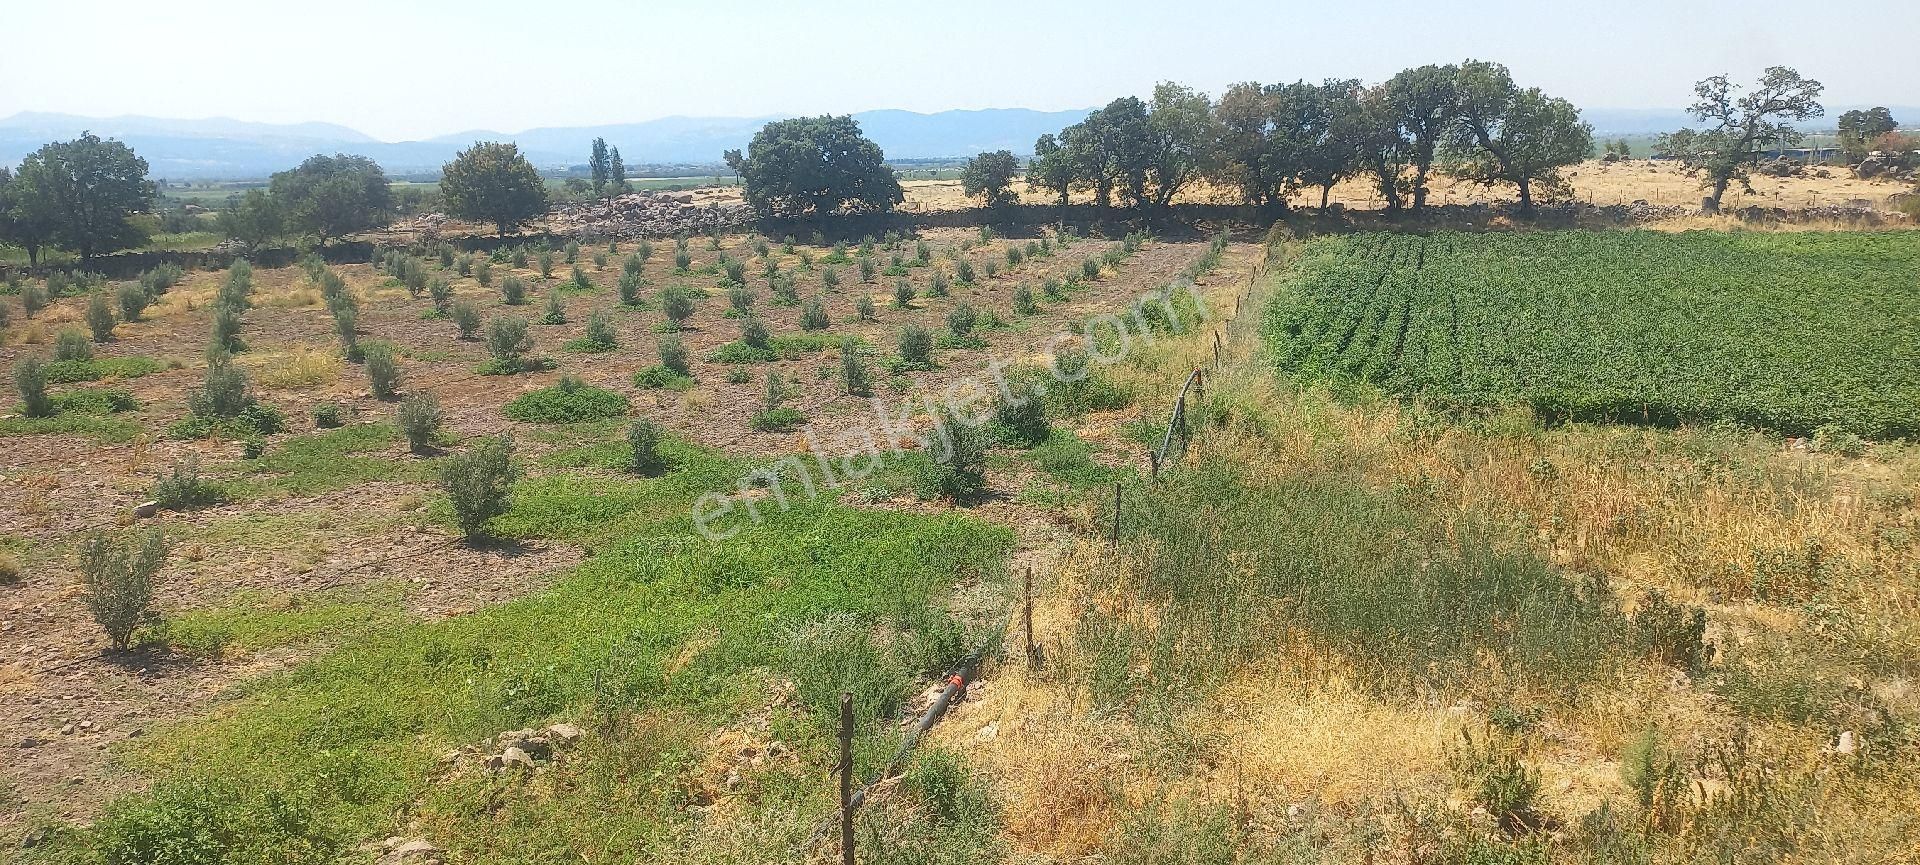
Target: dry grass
{"x":300,"y":367}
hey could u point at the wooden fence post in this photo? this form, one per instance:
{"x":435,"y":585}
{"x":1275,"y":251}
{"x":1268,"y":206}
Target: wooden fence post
{"x":846,"y":778}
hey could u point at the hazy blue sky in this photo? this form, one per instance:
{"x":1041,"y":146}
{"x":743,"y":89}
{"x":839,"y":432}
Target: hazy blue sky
{"x":417,"y":68}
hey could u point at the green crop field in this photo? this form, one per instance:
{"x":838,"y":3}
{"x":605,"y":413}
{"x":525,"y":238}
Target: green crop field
{"x":1789,"y":332}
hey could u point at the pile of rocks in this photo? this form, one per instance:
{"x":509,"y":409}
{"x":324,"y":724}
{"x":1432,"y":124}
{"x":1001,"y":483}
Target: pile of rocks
{"x":519,"y":750}
{"x":1886,"y":166}
{"x":647,"y":214}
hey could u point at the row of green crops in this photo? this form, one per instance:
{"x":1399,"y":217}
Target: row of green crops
{"x":1784,"y":331}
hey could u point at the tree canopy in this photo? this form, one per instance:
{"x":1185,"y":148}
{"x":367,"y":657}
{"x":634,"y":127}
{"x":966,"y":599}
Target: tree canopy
{"x":492,"y":182}
{"x":815,"y":165}
{"x":990,"y":176}
{"x":79,"y":195}
{"x":1859,"y":129}
{"x":333,"y":196}
{"x":1741,"y":128}
{"x":1509,"y":135}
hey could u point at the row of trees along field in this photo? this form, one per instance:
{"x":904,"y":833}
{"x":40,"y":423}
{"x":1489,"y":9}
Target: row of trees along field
{"x":81,"y":196}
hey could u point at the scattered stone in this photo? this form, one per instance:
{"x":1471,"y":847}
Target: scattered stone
{"x":516,"y":758}
{"x":1848,"y":743}
{"x":565,"y":735}
{"x":144,"y":510}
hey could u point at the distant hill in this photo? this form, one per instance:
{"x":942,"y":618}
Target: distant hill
{"x":225,"y":149}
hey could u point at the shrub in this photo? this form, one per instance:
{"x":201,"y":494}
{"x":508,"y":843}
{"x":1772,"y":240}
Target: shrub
{"x":133,"y":301}
{"x":829,"y":279}
{"x":545,"y":262}
{"x":99,"y":317}
{"x":483,"y":272}
{"x":1020,"y":421}
{"x":327,"y":415}
{"x":781,"y":419}
{"x":962,"y":319}
{"x":441,"y":291}
{"x":677,"y":303}
{"x":993,"y":268}
{"x":867,"y":270}
{"x":754,"y":332}
{"x":580,"y":281}
{"x":902,"y":293}
{"x":463,"y":264}
{"x":735,"y":270}
{"x":785,"y":291}
{"x":70,"y":344}
{"x":863,"y":307}
{"x":556,"y":312}
{"x":572,"y":251}
{"x":853,"y":371}
{"x":600,"y":335}
{"x":419,"y":418}
{"x":519,"y":256}
{"x":739,"y":375}
{"x":937,"y":284}
{"x":570,"y":401}
{"x":916,"y":347}
{"x":223,"y":392}
{"x":1670,"y":633}
{"x":813,"y":316}
{"x":183,"y":488}
{"x":383,"y":371}
{"x":1090,"y":269}
{"x":1023,"y":301}
{"x":673,"y":354}
{"x":226,"y":329}
{"x":479,"y":483}
{"x":30,"y":378}
{"x":118,"y":575}
{"x":466,"y":317}
{"x":508,"y":341}
{"x":1499,"y":781}
{"x":253,"y":447}
{"x":346,"y":321}
{"x":740,"y":299}
{"x":964,"y":271}
{"x":513,"y":291}
{"x":643,"y":443}
{"x":1839,"y":441}
{"x":33,"y":298}
{"x":960,"y":473}
{"x":1014,"y":256}
{"x":656,"y":377}
{"x":630,"y":285}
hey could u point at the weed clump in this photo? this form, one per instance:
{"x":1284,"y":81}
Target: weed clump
{"x":570,"y":401}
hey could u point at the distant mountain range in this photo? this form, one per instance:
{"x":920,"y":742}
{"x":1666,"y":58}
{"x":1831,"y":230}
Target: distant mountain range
{"x":224,"y":149}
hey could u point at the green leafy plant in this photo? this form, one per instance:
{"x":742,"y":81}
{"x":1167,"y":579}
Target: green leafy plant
{"x":420,"y":418}
{"x":570,"y":401}
{"x":118,"y":576}
{"x":479,"y":483}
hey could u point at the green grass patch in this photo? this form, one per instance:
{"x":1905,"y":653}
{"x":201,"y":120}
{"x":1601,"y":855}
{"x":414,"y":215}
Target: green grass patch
{"x":72,"y":371}
{"x":251,"y":622}
{"x":661,"y":631}
{"x":658,"y":377}
{"x":327,"y":460}
{"x":109,"y":430}
{"x":570,"y":401}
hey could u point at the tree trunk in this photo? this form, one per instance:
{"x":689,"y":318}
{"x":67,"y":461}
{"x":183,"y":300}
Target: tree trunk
{"x":1526,"y":194}
{"x":1325,"y":191}
{"x":1719,"y":189}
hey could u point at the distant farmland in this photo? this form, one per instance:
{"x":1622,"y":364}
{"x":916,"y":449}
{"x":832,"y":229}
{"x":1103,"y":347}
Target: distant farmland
{"x":1784,"y":331}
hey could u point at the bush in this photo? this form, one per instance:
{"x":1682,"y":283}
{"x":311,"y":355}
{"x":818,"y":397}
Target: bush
{"x":441,"y":291}
{"x":579,"y":280}
{"x":466,"y":317}
{"x":30,"y":378}
{"x":118,"y":575}
{"x":829,"y":279}
{"x":223,"y":393}
{"x":916,"y":348}
{"x":813,"y":316}
{"x":960,"y":473}
{"x":600,"y":335}
{"x":556,"y":312}
{"x":545,"y":262}
{"x":1670,"y":633}
{"x":383,"y":371}
{"x":226,"y":329}
{"x":1023,"y":301}
{"x":570,"y":401}
{"x":962,"y":319}
{"x":937,"y":284}
{"x":677,"y":303}
{"x":483,"y":272}
{"x":863,"y":307}
{"x":643,"y":442}
{"x":1499,"y":781}
{"x":781,"y":419}
{"x":183,"y":488}
{"x":1839,"y":441}
{"x":133,"y":301}
{"x":785,"y":291}
{"x":902,"y":292}
{"x":33,"y":298}
{"x":630,"y":286}
{"x":419,"y":418}
{"x":964,"y":271}
{"x":479,"y":483}
{"x":1090,"y":269}
{"x":327,"y":415}
{"x":673,"y":354}
{"x":656,"y":377}
{"x":1021,"y":421}
{"x":508,"y":341}
{"x":70,"y":344}
{"x":346,"y":322}
{"x":866,"y":270}
{"x":513,"y":291}
{"x":853,"y":371}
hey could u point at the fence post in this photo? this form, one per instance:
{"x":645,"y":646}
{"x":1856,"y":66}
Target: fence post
{"x":846,"y":778}
{"x":1027,"y":616}
{"x":1199,"y":390}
